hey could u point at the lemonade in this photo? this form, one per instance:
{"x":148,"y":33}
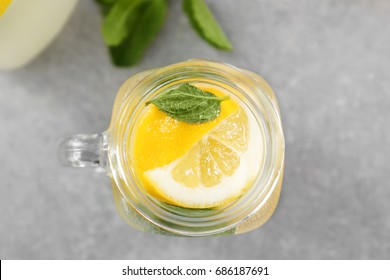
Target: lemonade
{"x":198,"y":165}
{"x":193,"y":149}
{"x":28,"y":26}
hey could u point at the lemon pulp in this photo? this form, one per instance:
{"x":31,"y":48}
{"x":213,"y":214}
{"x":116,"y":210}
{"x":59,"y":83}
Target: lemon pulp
{"x":197,"y":165}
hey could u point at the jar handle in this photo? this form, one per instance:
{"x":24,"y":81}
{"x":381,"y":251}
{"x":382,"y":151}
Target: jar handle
{"x":84,"y":150}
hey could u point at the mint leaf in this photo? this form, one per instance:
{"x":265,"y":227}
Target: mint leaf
{"x":115,"y":26}
{"x":204,"y":22}
{"x":144,"y":25}
{"x":189,"y":104}
{"x":105,"y":1}
{"x":105,"y":6}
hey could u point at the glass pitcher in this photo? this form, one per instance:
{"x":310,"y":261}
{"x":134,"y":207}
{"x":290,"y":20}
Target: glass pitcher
{"x":27,"y":27}
{"x":108,"y":151}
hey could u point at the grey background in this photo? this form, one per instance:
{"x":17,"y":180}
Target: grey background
{"x":328,"y":61}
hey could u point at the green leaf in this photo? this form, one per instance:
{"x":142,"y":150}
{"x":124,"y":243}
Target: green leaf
{"x":115,"y":26}
{"x":189,"y":104}
{"x":105,"y":6}
{"x":105,"y":1}
{"x":145,"y":24}
{"x":204,"y":22}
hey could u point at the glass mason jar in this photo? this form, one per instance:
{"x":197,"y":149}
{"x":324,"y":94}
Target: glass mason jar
{"x":109,"y":151}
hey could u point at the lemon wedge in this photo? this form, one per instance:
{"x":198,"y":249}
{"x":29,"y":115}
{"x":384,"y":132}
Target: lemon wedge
{"x":4,"y":5}
{"x":218,"y":169}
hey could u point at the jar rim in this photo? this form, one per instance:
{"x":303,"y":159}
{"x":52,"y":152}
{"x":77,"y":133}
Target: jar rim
{"x":228,"y":217}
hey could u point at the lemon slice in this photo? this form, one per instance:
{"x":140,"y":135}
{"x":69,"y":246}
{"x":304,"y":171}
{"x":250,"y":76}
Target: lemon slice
{"x":216,"y":170}
{"x":4,"y":5}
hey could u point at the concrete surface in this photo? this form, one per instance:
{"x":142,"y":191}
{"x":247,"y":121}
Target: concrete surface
{"x":328,"y":61}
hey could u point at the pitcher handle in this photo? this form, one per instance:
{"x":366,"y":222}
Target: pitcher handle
{"x":84,"y":150}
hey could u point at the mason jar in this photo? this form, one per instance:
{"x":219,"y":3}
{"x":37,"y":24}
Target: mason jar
{"x":109,"y":151}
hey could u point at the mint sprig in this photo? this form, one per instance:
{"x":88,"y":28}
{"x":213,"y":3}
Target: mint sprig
{"x":146,"y":24}
{"x":116,"y":25}
{"x":204,"y":22}
{"x":189,"y":104}
{"x":129,"y":26}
